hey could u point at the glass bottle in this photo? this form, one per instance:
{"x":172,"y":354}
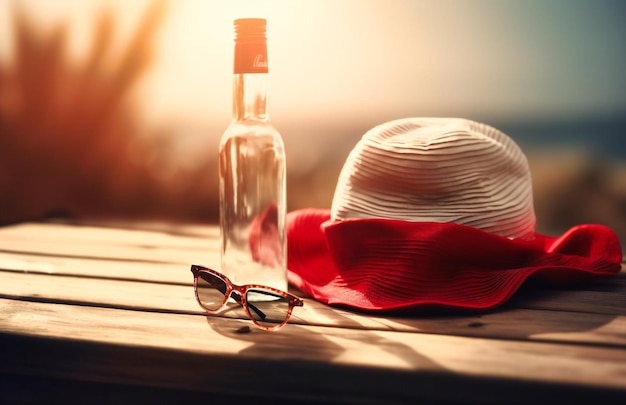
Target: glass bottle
{"x":252,"y":171}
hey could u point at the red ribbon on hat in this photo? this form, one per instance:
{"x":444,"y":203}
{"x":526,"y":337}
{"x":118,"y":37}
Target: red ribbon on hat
{"x":381,"y":264}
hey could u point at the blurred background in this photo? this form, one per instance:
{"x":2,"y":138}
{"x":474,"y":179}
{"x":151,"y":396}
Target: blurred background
{"x":113,"y":109}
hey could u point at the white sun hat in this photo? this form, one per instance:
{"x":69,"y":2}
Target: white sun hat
{"x":438,"y":170}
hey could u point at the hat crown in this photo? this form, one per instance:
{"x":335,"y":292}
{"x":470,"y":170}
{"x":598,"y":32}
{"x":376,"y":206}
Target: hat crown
{"x":438,"y":170}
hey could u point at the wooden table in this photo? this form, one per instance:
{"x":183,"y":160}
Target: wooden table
{"x":108,"y":315}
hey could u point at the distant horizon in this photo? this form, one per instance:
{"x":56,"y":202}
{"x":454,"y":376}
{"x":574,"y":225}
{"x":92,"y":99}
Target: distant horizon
{"x":600,"y":136}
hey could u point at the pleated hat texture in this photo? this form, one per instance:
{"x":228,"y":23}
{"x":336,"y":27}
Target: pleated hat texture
{"x":438,"y":170}
{"x":436,"y":212}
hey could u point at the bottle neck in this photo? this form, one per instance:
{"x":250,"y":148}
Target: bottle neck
{"x":250,"y":97}
{"x":250,"y":70}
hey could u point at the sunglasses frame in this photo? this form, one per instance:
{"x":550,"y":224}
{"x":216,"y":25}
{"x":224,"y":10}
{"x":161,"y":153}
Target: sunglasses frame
{"x":242,"y":290}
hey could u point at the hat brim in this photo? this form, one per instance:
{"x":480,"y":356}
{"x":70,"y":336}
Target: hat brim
{"x":381,"y":264}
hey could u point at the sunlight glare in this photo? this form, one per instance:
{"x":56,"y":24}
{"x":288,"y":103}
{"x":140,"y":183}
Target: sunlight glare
{"x":197,"y":38}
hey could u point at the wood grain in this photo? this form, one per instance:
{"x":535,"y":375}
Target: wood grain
{"x":509,"y":323}
{"x":102,"y":333}
{"x":100,"y":309}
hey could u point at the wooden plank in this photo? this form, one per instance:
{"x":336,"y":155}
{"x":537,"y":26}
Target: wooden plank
{"x":211,"y":354}
{"x":511,"y":323}
{"x":207,"y":252}
{"x":58,"y":241}
{"x":174,"y":273}
{"x":172,"y":234}
{"x":606,"y":296}
{"x":102,"y":292}
{"x":65,"y":237}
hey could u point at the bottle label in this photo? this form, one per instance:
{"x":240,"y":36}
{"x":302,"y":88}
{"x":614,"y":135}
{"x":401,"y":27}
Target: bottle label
{"x":250,"y":57}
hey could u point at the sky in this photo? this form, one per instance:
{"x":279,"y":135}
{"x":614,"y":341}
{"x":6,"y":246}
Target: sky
{"x":358,"y":63}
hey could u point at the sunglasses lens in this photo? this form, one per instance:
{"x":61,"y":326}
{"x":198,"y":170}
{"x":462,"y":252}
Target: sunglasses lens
{"x":266,"y":307}
{"x":210,"y":290}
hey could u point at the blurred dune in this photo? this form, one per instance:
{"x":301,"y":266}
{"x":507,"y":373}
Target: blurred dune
{"x":72,"y":145}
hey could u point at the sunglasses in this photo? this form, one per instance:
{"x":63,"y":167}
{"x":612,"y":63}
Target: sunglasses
{"x":267,"y":307}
